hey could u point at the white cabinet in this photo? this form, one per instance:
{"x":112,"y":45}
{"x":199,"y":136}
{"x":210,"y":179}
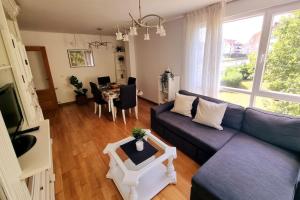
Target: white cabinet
{"x":36,"y":163}
{"x":166,"y":94}
{"x":4,"y":62}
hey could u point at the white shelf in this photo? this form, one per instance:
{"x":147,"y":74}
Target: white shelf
{"x":3,"y":67}
{"x":38,"y":158}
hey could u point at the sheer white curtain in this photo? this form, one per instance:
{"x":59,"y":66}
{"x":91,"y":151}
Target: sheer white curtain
{"x":203,"y":43}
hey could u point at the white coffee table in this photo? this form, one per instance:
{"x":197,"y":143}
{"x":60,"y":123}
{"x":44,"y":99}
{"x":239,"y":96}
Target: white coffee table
{"x":143,"y":181}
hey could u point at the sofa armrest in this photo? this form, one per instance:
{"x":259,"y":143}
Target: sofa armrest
{"x":155,"y":110}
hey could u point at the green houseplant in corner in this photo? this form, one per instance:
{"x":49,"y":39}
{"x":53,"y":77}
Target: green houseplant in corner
{"x":164,"y":79}
{"x":80,"y":92}
{"x":138,"y":134}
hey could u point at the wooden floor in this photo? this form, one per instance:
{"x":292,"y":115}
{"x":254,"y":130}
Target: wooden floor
{"x":79,"y":138}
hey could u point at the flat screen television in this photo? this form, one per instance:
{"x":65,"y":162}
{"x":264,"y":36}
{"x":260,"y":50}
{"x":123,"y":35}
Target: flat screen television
{"x":10,"y":109}
{"x":13,"y":119}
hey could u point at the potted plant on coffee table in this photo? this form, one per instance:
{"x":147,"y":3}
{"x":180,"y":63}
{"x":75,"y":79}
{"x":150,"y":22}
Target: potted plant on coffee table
{"x":138,"y":134}
{"x":80,"y":92}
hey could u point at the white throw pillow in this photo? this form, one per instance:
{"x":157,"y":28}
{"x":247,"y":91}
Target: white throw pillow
{"x":183,"y":104}
{"x":210,"y":113}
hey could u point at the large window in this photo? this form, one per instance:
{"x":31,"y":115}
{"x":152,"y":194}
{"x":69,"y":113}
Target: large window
{"x":261,"y":60}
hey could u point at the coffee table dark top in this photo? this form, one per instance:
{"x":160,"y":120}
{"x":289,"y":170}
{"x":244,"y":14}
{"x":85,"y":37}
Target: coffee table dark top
{"x":138,"y":157}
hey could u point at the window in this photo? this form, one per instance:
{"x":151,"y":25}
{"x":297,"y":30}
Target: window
{"x":240,"y":48}
{"x":282,"y":66}
{"x":261,"y":60}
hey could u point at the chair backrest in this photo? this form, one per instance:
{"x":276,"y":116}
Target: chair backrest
{"x":128,"y":96}
{"x":131,"y":81}
{"x":104,"y":80}
{"x":95,"y":91}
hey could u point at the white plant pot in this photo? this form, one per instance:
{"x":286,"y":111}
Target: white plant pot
{"x":139,"y":145}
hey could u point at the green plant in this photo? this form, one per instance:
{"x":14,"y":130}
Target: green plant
{"x":138,"y":133}
{"x":164,"y":79}
{"x":247,"y":70}
{"x":232,"y":77}
{"x":79,"y":90}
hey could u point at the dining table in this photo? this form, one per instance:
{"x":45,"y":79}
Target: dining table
{"x":111,"y":92}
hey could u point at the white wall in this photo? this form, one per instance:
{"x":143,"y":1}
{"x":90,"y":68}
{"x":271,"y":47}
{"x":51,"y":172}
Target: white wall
{"x":57,"y":45}
{"x":156,"y":55}
{"x":159,"y":53}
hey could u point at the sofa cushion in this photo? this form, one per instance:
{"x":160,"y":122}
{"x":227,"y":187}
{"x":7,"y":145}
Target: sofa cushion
{"x":280,"y":130}
{"x":234,"y":113}
{"x":247,"y":168}
{"x":183,"y":104}
{"x":210,"y":113}
{"x":204,"y":137}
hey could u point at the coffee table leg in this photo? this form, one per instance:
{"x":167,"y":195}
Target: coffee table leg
{"x":133,"y":193}
{"x":112,"y":166}
{"x":171,"y":170}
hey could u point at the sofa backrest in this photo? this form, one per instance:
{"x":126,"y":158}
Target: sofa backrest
{"x":277,"y":129}
{"x":233,"y":116}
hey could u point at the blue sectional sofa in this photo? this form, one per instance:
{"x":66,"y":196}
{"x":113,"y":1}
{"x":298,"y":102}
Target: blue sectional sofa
{"x":255,"y":157}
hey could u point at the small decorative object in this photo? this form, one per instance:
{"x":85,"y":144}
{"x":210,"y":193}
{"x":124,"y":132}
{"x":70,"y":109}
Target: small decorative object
{"x":138,"y":134}
{"x":120,"y":49}
{"x":81,"y":58}
{"x":164,"y":79}
{"x":80,"y":92}
{"x":139,"y":145}
{"x":121,"y":59}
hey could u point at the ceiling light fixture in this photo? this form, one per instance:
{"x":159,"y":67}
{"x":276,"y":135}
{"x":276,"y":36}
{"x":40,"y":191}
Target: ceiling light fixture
{"x":100,"y":43}
{"x":151,"y":21}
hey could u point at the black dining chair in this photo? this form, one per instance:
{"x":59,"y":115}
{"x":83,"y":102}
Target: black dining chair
{"x":131,"y":81}
{"x":127,"y":100}
{"x":98,"y":99}
{"x":104,"y":80}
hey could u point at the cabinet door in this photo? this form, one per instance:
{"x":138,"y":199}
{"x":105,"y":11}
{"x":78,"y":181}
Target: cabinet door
{"x":3,"y":54}
{"x":25,"y":61}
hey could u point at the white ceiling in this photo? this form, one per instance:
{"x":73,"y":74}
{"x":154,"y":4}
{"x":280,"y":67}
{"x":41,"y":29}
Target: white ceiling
{"x":84,"y":16}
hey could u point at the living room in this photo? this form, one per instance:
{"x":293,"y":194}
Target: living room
{"x":143,"y":99}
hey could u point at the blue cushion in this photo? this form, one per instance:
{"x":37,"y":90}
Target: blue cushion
{"x":204,"y":137}
{"x":280,"y":130}
{"x":233,"y":116}
{"x":249,"y":169}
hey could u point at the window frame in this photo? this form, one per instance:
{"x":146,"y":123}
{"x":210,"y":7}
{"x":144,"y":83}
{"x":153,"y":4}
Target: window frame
{"x":257,"y":90}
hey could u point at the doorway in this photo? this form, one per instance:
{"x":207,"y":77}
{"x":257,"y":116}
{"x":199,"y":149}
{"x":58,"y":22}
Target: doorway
{"x":42,"y":78}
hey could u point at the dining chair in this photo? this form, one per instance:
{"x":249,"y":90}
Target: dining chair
{"x":127,"y":100}
{"x":131,"y":81}
{"x":104,"y":80}
{"x":98,"y":99}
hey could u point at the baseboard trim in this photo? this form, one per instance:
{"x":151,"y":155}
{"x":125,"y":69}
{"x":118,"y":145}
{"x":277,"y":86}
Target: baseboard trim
{"x":143,"y":98}
{"x":72,"y":102}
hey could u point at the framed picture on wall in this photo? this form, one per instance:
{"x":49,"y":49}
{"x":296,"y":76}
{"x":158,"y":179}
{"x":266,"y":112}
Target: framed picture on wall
{"x":81,"y":58}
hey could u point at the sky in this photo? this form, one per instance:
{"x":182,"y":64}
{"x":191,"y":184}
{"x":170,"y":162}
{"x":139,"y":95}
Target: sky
{"x":242,"y":30}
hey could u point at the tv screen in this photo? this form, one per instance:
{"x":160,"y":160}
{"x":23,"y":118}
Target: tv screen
{"x":10,"y":108}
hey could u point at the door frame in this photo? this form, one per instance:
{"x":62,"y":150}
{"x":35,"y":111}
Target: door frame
{"x":42,"y":49}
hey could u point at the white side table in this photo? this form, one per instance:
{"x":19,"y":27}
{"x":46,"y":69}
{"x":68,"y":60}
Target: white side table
{"x":143,"y":181}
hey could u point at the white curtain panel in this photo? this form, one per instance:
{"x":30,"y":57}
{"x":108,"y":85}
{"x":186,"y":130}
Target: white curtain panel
{"x":203,"y":43}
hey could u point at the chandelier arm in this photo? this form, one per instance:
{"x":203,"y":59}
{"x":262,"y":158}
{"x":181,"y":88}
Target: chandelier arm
{"x":161,"y":19}
{"x":135,"y":21}
{"x":140,"y":23}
